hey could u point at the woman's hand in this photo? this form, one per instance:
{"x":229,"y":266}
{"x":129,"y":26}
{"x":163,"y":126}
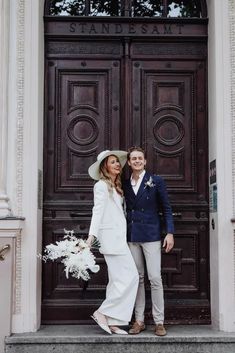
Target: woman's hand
{"x":90,"y":240}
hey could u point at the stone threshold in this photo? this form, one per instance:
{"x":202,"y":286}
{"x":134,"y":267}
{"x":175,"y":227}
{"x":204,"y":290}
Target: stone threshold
{"x":67,"y":334}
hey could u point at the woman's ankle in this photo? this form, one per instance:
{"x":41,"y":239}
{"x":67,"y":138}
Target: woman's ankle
{"x":101,"y":317}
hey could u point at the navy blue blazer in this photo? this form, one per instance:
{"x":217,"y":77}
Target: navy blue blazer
{"x":143,"y":219}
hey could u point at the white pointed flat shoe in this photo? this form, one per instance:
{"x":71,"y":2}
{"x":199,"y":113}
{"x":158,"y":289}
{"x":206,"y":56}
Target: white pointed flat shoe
{"x":103,"y":326}
{"x":118,"y":331}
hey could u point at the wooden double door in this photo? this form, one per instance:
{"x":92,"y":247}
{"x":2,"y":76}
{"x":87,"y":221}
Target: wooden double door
{"x":112,"y":94}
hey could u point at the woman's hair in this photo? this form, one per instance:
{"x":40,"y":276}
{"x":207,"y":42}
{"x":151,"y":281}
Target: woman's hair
{"x":117,"y":184}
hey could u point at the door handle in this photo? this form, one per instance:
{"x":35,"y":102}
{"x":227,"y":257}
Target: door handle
{"x":177,"y":214}
{"x":3,"y":251}
{"x":174,"y":214}
{"x":80,"y":214}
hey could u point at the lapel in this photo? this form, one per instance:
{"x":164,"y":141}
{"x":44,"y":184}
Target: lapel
{"x":129,"y":190}
{"x":142,"y":188}
{"x":130,"y":195}
{"x":117,"y":200}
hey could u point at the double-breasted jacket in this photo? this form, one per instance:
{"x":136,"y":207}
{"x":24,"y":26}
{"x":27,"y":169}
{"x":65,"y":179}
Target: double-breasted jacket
{"x":146,"y":210}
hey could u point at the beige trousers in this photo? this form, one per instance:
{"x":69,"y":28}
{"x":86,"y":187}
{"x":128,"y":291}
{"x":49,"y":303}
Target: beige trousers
{"x":149,"y":253}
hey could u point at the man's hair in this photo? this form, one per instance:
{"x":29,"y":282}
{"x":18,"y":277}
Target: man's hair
{"x":135,"y":148}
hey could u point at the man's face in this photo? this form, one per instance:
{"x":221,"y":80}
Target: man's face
{"x":137,"y":161}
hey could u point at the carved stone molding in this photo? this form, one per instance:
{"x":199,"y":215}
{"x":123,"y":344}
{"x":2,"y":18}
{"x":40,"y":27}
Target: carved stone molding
{"x":18,"y":276}
{"x":4,"y":60}
{"x":12,"y":228}
{"x":19,"y":144}
{"x":231,"y":7}
{"x":20,"y":104}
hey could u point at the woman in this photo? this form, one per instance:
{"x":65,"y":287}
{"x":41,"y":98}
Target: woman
{"x":108,"y":225}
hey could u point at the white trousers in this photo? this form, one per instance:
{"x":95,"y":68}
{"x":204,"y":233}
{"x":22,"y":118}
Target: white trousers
{"x":121,"y":289}
{"x":149,"y":252}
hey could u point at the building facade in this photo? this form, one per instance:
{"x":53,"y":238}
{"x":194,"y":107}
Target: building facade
{"x":40,"y":53}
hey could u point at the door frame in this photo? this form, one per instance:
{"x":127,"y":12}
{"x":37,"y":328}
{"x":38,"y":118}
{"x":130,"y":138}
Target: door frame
{"x":69,"y":38}
{"x":28,"y":29}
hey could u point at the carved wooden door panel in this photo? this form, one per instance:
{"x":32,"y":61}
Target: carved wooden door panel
{"x":82,"y":118}
{"x":114,"y":94}
{"x":170,"y":119}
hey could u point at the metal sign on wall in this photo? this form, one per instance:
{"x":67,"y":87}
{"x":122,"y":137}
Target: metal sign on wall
{"x":213,"y":187}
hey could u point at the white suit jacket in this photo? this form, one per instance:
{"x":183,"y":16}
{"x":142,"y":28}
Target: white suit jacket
{"x":108,"y":222}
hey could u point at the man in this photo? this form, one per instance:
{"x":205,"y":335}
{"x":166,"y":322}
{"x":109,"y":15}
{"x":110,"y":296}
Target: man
{"x":146,"y":196}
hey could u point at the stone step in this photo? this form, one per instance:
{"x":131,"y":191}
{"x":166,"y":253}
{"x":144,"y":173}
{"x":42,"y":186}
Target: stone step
{"x":84,"y":339}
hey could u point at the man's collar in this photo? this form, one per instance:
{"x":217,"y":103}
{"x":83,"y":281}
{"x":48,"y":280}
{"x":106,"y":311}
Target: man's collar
{"x":140,"y":176}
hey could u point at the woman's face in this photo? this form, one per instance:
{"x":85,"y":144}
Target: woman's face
{"x":113,"y":166}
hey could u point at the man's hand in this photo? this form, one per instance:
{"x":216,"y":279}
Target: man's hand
{"x":168,"y":242}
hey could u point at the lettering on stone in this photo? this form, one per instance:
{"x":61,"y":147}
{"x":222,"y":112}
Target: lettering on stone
{"x":118,"y":28}
{"x":82,"y":27}
{"x":144,"y":29}
{"x":155,"y":30}
{"x":132,"y":29}
{"x":180,"y":27}
{"x":72,"y":27}
{"x":151,"y":29}
{"x":167,"y":29}
{"x":92,"y":29}
{"x":105,"y":28}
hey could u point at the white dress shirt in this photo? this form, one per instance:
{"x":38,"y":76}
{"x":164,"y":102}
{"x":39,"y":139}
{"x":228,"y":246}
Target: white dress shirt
{"x":136,"y":185}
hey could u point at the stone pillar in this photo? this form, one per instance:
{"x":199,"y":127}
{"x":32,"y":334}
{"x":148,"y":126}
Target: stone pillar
{"x":26,"y":119}
{"x":4,"y":30}
{"x":232,"y":40}
{"x":222,"y":245}
{"x":10,"y":231}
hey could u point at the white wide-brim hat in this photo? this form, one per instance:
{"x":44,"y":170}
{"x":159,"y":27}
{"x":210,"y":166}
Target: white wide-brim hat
{"x":94,"y":169}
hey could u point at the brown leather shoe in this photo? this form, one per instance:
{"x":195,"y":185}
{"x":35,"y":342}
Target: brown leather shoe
{"x":160,"y":330}
{"x":136,"y":328}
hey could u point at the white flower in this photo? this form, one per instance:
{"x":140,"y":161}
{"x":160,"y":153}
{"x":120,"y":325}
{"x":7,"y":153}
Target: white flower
{"x":75,"y":255}
{"x":149,"y":183}
{"x":79,"y":264}
{"x":61,"y":249}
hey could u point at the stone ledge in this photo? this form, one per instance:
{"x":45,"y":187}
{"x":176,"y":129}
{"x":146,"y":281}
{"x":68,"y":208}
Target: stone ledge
{"x":11,"y":226}
{"x":91,"y":339}
{"x":93,"y":334}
